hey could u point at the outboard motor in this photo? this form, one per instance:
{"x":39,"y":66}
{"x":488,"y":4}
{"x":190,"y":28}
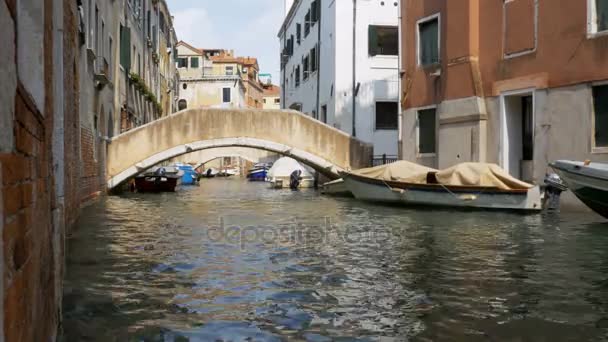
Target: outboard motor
{"x":294,"y":179}
{"x":209,"y":171}
{"x":554,"y":186}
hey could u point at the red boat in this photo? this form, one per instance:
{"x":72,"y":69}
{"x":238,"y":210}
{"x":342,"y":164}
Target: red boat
{"x":158,"y":179}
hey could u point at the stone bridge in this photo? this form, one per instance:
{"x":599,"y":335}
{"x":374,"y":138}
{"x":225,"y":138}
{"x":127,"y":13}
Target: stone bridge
{"x":285,"y":132}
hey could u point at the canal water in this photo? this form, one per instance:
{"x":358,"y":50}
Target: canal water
{"x":235,"y":261}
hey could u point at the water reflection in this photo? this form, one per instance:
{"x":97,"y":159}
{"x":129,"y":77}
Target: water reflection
{"x":234,"y":261}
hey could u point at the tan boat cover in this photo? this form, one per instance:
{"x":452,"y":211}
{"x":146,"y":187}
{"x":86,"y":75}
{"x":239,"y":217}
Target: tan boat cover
{"x":464,"y":174}
{"x":480,"y":174}
{"x":401,"y":170}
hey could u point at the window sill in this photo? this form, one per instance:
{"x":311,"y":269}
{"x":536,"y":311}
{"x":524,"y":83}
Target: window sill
{"x":599,"y":150}
{"x":593,"y":35}
{"x":386,"y":129}
{"x":426,"y":155}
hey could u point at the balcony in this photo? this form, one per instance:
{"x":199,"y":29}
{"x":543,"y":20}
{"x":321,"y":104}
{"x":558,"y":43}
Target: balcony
{"x":102,"y":72}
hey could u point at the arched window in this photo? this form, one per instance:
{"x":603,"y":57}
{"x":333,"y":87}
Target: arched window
{"x":185,"y":86}
{"x":182,"y":104}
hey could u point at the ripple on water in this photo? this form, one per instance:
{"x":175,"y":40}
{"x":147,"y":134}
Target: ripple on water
{"x":149,"y":267}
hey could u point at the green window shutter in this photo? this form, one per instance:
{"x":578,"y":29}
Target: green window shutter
{"x":373,"y":40}
{"x":429,"y":42}
{"x":125,"y":47}
{"x":602,"y":14}
{"x":194,"y":62}
{"x":427,"y":131}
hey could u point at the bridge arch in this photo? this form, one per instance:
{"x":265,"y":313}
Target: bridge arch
{"x":285,"y":132}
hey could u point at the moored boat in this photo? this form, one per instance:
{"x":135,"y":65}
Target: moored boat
{"x":466,"y":185}
{"x":190,"y":176}
{"x":588,"y":181}
{"x":159,"y":179}
{"x":280,"y":174}
{"x":258,"y":172}
{"x":336,"y":188}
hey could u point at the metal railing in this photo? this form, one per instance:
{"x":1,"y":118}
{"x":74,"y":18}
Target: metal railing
{"x":383,"y":159}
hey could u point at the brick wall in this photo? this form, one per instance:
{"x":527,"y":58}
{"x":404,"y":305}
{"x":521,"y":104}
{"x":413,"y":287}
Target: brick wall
{"x":32,"y":251}
{"x":91,"y":165}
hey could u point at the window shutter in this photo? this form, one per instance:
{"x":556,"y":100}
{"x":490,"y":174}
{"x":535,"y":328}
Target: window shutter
{"x":602,"y":15}
{"x":125,"y":47}
{"x":373,"y":40}
{"x":314,"y":11}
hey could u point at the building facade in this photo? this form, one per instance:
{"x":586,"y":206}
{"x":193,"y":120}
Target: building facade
{"x":272,"y":96}
{"x":146,"y":86}
{"x":339,"y":64}
{"x":217,"y":78}
{"x":519,"y":83}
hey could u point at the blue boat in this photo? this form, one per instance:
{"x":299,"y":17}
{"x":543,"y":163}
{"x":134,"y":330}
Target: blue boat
{"x":258,"y":172}
{"x":190,"y":176}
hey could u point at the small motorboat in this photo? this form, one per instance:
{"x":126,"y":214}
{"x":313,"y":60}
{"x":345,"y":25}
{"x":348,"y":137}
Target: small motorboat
{"x":259,"y":172}
{"x":587,"y":180}
{"x":190,"y":176}
{"x":228,"y":172}
{"x":279,"y":175}
{"x":159,"y":179}
{"x":466,"y":185}
{"x":209,"y":173}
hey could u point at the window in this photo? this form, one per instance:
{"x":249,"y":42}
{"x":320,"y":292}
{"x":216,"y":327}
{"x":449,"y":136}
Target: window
{"x":305,"y":62}
{"x":194,"y":62}
{"x":314,"y":12}
{"x":299,"y":33}
{"x":313,"y":60}
{"x":387,"y":115}
{"x":297,"y":76}
{"x":125,"y":47}
{"x":182,"y":62}
{"x":277,"y":101}
{"x":600,"y":113}
{"x":229,"y":71}
{"x":598,"y":16}
{"x":182,"y":104}
{"x":383,"y":40}
{"x":185,"y":86}
{"x":96,"y":28}
{"x":307,"y":24}
{"x":428,"y":41}
{"x":324,"y":113}
{"x":264,"y":100}
{"x":426,"y":131}
{"x":226,"y":95}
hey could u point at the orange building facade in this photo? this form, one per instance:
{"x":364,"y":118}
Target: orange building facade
{"x":519,"y":83}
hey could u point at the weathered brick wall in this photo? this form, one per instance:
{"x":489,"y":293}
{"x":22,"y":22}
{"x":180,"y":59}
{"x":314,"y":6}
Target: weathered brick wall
{"x":90,"y":151}
{"x":32,"y":252}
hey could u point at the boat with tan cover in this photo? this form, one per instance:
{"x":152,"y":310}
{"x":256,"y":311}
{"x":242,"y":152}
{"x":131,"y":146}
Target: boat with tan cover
{"x":465,"y":185}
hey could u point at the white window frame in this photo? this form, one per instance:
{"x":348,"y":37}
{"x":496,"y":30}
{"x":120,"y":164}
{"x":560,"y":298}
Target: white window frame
{"x":422,"y":21}
{"x":418,"y":110}
{"x":592,"y":31}
{"x":596,"y":149}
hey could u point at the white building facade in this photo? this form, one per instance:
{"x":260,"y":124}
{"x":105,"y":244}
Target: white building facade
{"x":339,"y":64}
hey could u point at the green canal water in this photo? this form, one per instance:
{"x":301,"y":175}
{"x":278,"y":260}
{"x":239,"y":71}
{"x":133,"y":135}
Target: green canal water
{"x":235,"y":261}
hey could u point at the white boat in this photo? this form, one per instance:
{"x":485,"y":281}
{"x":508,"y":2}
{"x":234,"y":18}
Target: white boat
{"x":466,"y":185}
{"x":280,"y":173}
{"x":336,"y":188}
{"x":588,"y":181}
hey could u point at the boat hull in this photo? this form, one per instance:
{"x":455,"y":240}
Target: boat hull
{"x":435,"y":195}
{"x":257,"y":175}
{"x":588,"y":185}
{"x":336,"y":188}
{"x":156,"y":183}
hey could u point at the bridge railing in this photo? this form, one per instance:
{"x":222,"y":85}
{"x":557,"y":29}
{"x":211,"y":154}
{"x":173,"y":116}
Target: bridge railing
{"x":383,"y":159}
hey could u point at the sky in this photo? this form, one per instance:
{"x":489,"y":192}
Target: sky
{"x":250,"y":27}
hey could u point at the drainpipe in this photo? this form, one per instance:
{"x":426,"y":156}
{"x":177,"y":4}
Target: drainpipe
{"x":354,"y":130}
{"x":399,"y":85}
{"x":283,"y":90}
{"x":318,"y":59}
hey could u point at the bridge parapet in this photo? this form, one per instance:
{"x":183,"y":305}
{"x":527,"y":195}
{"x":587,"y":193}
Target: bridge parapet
{"x":286,"y":132}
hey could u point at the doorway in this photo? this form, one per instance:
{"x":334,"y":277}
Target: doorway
{"x":517,"y":134}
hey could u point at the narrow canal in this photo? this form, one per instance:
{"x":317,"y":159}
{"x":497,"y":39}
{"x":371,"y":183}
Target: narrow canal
{"x":235,"y":261}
